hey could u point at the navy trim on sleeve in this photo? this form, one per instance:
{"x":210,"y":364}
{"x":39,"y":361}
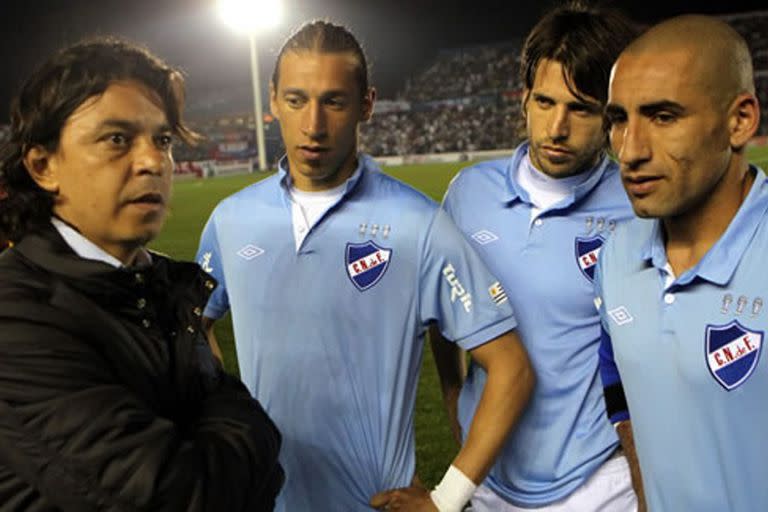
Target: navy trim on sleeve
{"x":613,"y":391}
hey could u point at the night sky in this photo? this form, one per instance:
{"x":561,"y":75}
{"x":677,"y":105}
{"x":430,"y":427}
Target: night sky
{"x":400,"y":36}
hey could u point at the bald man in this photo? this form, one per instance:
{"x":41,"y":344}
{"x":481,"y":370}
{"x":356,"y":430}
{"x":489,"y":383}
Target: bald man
{"x":681,"y":290}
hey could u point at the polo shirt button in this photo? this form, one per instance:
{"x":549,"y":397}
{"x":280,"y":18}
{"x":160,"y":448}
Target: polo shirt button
{"x":669,"y":298}
{"x":145,"y":323}
{"x":141,"y":303}
{"x":302,"y":229}
{"x":538,"y":222}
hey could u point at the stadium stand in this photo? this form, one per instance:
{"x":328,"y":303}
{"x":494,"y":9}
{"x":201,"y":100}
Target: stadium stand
{"x":466,"y":99}
{"x":753,"y":26}
{"x":466,"y":72}
{"x":474,"y":126}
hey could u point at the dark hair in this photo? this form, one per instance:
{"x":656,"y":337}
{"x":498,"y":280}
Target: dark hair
{"x":585,"y":40}
{"x":325,"y":37}
{"x":51,"y":95}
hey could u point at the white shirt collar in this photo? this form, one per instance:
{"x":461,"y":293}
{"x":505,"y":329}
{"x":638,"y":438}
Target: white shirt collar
{"x":543,"y":190}
{"x":85,"y":248}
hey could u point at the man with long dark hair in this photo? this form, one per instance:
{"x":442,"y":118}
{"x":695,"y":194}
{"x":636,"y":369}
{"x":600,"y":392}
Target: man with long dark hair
{"x":539,"y":220}
{"x":109,"y":396}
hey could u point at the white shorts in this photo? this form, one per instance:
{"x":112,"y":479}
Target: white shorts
{"x":609,"y":489}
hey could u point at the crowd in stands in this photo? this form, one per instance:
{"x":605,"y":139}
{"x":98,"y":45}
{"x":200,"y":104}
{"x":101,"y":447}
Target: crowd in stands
{"x":753,"y":26}
{"x":761,"y":84}
{"x":466,"y":72}
{"x":467,"y":99}
{"x":444,"y":116}
{"x":445,"y":129}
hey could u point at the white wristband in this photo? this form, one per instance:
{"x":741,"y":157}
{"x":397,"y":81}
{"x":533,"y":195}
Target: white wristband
{"x":453,"y":491}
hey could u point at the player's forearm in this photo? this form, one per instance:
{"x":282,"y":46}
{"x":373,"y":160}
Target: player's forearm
{"x":507,"y":390}
{"x":627,"y":440}
{"x":451,"y":369}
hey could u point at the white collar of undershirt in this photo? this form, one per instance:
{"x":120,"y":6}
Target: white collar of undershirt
{"x":87,"y":249}
{"x":317,"y":196}
{"x":307,"y":207}
{"x":545,"y":191}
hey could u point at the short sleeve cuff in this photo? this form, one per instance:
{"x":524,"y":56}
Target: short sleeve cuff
{"x":487,"y":334}
{"x":214,"y":312}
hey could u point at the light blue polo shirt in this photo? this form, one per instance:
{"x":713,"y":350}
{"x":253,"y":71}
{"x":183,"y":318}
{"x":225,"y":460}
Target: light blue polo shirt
{"x":689,"y":352}
{"x":546,"y":263}
{"x":329,"y":338}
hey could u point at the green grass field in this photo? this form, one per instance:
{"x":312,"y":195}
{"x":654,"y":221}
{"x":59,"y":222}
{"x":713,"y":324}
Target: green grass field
{"x":192,"y":204}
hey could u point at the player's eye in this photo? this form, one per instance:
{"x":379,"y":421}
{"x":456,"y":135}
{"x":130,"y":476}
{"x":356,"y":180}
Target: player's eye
{"x":543,"y":102}
{"x":294,"y":101}
{"x":663,"y":118}
{"x":337,"y":103}
{"x":582,"y":109}
{"x":116,"y":140}
{"x":164,"y":141}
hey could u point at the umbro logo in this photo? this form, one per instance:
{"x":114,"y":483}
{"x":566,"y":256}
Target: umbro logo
{"x":484,"y":237}
{"x":250,"y":251}
{"x":620,"y":315}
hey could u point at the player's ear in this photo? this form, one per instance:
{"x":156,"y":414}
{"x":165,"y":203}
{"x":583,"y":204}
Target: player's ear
{"x":273,"y":100}
{"x":743,"y":120}
{"x":369,"y":99}
{"x":40,"y":166}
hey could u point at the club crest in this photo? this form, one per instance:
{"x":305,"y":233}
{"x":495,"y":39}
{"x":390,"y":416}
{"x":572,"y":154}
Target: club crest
{"x":366,"y":263}
{"x":587,"y":251}
{"x":732,"y":353}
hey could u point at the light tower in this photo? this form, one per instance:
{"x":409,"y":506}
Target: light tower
{"x":250,"y":17}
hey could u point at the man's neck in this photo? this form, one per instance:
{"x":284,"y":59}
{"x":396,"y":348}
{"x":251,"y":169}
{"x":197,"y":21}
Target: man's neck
{"x":335,"y":179}
{"x":690,"y":236}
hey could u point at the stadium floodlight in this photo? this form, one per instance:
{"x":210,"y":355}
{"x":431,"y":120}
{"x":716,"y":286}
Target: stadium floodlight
{"x":252,"y":16}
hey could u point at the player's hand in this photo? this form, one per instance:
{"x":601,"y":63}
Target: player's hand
{"x":406,"y":499}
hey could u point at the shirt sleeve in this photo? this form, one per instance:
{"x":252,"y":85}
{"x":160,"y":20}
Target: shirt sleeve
{"x":209,"y":259}
{"x":449,"y":200}
{"x":458,"y":291}
{"x":613,"y":391}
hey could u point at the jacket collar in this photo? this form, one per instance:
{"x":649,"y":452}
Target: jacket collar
{"x":44,"y":247}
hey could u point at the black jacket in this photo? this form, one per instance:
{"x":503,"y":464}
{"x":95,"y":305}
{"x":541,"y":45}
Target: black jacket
{"x":109,"y":396}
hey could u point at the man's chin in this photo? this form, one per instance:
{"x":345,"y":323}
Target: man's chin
{"x":560,"y":170}
{"x":321,"y":176}
{"x":144,"y":236}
